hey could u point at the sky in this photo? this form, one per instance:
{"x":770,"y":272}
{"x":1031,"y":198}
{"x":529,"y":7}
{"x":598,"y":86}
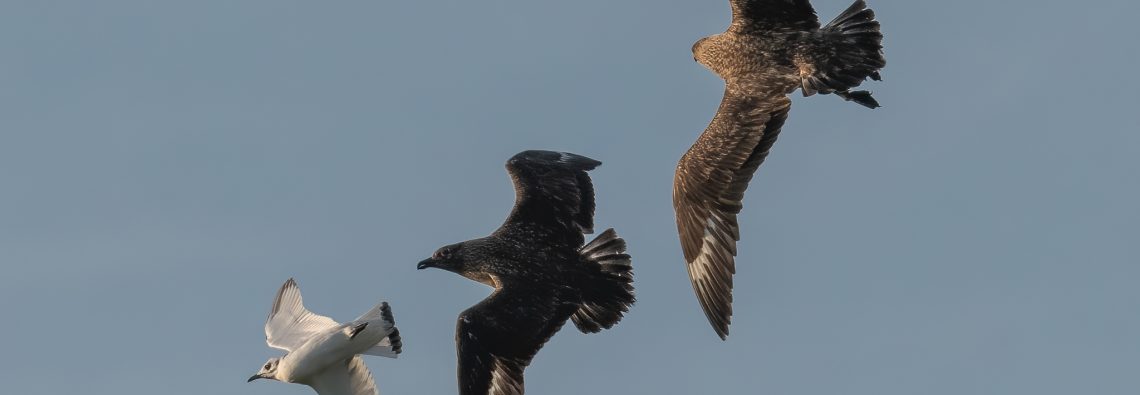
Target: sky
{"x":165,"y":166}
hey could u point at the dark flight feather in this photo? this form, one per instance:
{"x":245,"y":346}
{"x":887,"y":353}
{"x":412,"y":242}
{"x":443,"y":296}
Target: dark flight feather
{"x":497,"y":338}
{"x":772,"y":15}
{"x":552,"y":191}
{"x":708,"y":190}
{"x":609,"y":293}
{"x":855,"y":53}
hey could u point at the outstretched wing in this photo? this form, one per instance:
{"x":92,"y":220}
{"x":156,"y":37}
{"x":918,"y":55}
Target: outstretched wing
{"x":350,"y":377}
{"x":772,"y":15}
{"x":554,"y":197}
{"x":497,"y":338}
{"x":708,"y":188}
{"x":289,"y":324}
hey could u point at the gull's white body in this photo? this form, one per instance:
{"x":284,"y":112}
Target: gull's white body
{"x":328,"y":347}
{"x":322,"y":353}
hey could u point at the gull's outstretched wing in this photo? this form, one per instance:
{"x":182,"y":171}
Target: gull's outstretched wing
{"x":772,"y":15}
{"x":554,"y":197}
{"x":350,"y":377}
{"x":497,"y":338}
{"x":289,"y":324}
{"x":709,"y":186}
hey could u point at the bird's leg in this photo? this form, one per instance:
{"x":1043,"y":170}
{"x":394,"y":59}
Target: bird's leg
{"x":356,"y":330}
{"x":861,"y":97}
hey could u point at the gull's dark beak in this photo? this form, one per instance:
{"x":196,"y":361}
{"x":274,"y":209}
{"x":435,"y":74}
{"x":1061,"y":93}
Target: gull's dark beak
{"x":426,"y":263}
{"x":255,"y":377}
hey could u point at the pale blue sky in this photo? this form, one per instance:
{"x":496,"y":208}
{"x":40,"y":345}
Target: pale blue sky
{"x":165,"y":166}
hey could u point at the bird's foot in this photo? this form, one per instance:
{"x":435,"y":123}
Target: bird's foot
{"x":863,"y":98}
{"x":356,"y":330}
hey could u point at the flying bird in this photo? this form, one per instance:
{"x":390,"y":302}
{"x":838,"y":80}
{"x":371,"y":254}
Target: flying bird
{"x":772,"y":48}
{"x":541,"y":272}
{"x":320,"y":352}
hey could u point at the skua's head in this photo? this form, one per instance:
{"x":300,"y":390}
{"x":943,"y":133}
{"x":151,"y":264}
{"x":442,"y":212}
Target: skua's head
{"x":450,"y":257}
{"x":474,"y":259}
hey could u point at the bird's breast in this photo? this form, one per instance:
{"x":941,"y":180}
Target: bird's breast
{"x":749,"y":57}
{"x":482,"y":277}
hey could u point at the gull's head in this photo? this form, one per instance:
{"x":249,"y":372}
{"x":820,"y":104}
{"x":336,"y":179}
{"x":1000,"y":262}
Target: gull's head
{"x":268,"y":370}
{"x":449,"y":257}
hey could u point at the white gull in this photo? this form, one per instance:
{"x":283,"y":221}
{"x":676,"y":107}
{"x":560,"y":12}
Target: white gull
{"x":320,"y":352}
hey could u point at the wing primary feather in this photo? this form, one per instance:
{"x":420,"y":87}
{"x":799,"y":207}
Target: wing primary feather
{"x":708,"y":192}
{"x":554,"y":196}
{"x":495,"y":343}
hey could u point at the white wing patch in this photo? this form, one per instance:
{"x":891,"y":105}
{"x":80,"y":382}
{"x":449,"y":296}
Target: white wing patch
{"x":502,"y":383}
{"x":715,"y":241}
{"x":345,"y":378}
{"x":712,"y":270}
{"x":699,"y":268}
{"x":289,"y":324}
